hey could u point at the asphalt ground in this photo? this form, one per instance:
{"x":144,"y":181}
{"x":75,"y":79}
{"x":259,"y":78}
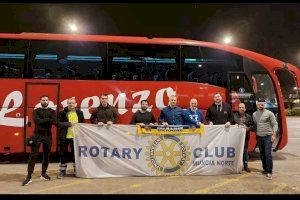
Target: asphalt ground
{"x":286,"y":178}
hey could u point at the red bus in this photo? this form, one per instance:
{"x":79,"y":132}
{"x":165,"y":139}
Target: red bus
{"x":130,"y":69}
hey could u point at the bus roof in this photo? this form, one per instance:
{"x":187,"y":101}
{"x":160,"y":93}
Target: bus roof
{"x":270,"y":63}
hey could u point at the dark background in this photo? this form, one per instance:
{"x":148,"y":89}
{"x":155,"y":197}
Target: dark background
{"x":270,"y":29}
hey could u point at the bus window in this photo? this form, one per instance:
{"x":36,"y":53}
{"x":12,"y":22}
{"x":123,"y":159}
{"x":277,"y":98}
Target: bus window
{"x":266,"y":91}
{"x":205,"y":65}
{"x":12,"y":58}
{"x":68,"y":60}
{"x":288,"y":86}
{"x":143,"y":62}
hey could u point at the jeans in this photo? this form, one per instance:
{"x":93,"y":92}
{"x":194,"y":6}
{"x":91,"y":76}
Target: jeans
{"x":245,"y":154}
{"x":265,"y":149}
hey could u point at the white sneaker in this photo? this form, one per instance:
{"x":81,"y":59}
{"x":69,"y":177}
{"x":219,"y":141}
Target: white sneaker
{"x":269,"y":176}
{"x":26,"y":182}
{"x":45,"y":177}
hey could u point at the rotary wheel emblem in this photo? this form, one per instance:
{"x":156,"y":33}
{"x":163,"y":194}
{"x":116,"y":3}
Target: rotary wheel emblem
{"x":167,"y":154}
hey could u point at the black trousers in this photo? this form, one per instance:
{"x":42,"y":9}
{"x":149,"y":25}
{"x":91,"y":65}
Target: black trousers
{"x":46,"y":140}
{"x":65,"y":155}
{"x":265,"y":149}
{"x":245,"y":154}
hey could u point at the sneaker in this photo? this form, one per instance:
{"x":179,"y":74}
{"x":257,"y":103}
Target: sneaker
{"x":247,"y":169}
{"x":269,"y":176}
{"x":61,"y":174}
{"x":45,"y":177}
{"x":27,"y":181}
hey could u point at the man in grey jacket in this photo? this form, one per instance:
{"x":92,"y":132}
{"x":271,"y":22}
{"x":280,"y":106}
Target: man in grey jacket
{"x":266,"y":127}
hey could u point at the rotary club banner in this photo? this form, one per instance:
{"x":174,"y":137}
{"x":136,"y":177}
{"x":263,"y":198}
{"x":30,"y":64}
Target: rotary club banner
{"x":121,"y":150}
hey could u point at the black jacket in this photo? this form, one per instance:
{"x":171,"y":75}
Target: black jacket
{"x":139,"y":117}
{"x":219,"y":114}
{"x":64,"y":124}
{"x":43,"y":120}
{"x":104,"y":114}
{"x":249,"y":121}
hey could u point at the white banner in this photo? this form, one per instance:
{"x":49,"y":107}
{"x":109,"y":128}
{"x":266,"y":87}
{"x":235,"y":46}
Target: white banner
{"x":118,"y":151}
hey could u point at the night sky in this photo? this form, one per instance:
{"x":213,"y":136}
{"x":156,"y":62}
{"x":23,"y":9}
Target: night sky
{"x":270,"y":29}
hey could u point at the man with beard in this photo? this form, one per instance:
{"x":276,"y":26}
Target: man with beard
{"x":105,"y":113}
{"x":143,"y":117}
{"x":266,"y":128}
{"x":43,"y":117}
{"x":219,"y":112}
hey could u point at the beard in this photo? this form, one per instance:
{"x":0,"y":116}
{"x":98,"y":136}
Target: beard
{"x":144,"y":109}
{"x":44,"y":105}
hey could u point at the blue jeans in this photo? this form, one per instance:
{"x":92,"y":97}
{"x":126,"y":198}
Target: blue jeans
{"x":265,"y":149}
{"x":245,"y":154}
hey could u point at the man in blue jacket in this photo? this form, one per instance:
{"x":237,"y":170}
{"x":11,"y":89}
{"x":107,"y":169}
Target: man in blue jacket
{"x":172,"y":114}
{"x":193,"y":116}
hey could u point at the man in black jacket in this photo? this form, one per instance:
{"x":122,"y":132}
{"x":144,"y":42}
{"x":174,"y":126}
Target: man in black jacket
{"x":43,"y":118}
{"x":67,"y":118}
{"x":219,"y":112}
{"x":243,"y":119}
{"x":105,"y":113}
{"x":142,"y":116}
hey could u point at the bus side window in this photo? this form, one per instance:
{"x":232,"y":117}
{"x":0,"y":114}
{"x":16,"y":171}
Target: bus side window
{"x":12,"y":58}
{"x":142,"y":62}
{"x":68,"y":60}
{"x":206,"y":65}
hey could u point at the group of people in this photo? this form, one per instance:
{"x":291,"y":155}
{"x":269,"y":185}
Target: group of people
{"x":170,"y":115}
{"x":263,"y":122}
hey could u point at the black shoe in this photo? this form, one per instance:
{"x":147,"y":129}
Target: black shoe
{"x":247,"y":169}
{"x":27,"y":181}
{"x":61,"y":174}
{"x":45,"y":177}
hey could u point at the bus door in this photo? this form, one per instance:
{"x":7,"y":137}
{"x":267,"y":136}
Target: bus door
{"x":288,"y":84}
{"x":240,"y":91}
{"x":33,"y":92}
